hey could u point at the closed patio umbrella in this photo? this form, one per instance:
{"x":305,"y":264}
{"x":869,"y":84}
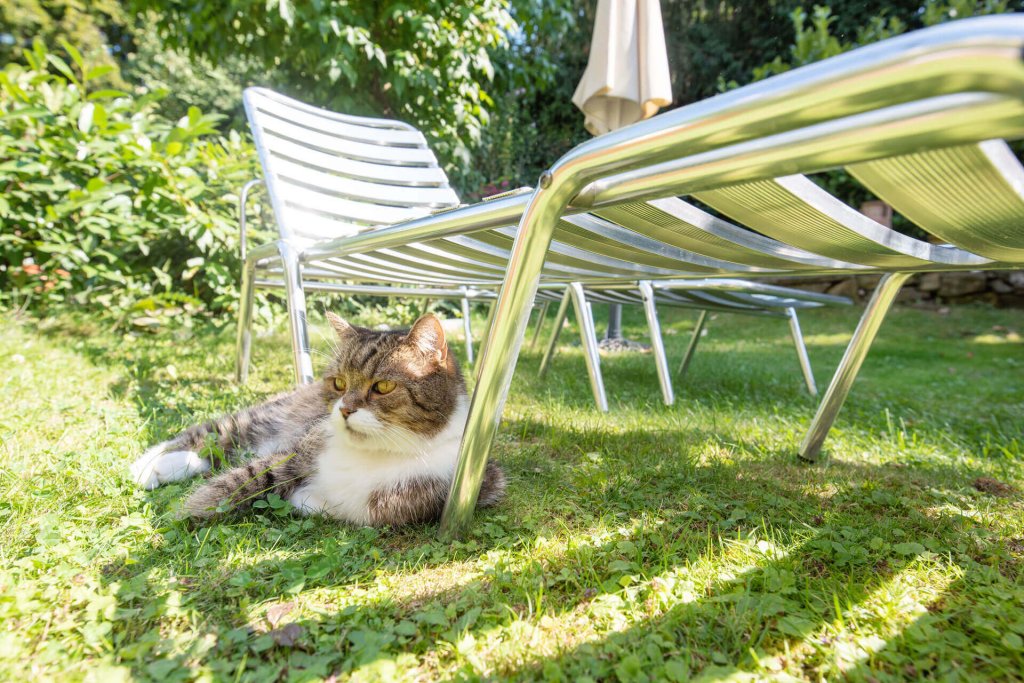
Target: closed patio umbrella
{"x":626,"y":79}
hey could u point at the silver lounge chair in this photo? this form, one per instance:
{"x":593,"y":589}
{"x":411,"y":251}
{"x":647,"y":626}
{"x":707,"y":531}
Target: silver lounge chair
{"x":718,"y":294}
{"x":918,"y":119}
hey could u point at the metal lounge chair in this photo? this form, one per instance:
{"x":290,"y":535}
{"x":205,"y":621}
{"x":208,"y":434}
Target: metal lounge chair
{"x":918,"y":119}
{"x":718,"y":294}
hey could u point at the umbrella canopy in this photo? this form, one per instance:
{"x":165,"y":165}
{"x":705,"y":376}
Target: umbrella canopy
{"x":627,"y":77}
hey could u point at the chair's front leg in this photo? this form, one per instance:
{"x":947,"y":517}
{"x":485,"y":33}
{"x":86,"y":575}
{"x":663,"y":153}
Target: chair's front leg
{"x":588,"y":338}
{"x":501,"y":351}
{"x":302,"y":359}
{"x":657,"y":343}
{"x":801,"y":351}
{"x":846,"y":373}
{"x":243,"y":345}
{"x":549,"y":352}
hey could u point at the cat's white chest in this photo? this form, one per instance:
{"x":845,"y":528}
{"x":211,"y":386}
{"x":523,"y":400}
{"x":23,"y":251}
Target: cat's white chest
{"x":346,"y":476}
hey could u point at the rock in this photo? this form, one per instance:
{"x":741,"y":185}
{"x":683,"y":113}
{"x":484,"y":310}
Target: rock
{"x":847,"y":288}
{"x":929,"y":282}
{"x":1000,"y":287}
{"x":908,"y":295}
{"x":868,"y":282}
{"x":1016,"y":278}
{"x":962,"y":284}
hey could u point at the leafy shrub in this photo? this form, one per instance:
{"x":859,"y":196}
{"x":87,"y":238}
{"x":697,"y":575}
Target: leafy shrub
{"x":105,"y":202}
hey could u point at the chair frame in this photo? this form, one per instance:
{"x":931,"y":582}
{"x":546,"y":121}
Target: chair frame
{"x":775,"y":302}
{"x":894,"y":97}
{"x":890,"y":113}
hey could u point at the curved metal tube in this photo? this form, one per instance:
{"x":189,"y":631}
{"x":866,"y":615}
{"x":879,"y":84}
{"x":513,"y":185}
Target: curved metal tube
{"x":801,"y":351}
{"x":243,"y":197}
{"x":549,"y":352}
{"x":880,"y":303}
{"x":588,"y":339}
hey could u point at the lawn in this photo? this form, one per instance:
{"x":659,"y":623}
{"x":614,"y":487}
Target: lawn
{"x":652,"y":543}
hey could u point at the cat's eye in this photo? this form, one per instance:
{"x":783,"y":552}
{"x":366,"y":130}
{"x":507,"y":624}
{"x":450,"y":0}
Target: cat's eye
{"x":384,"y":386}
{"x":339,"y":384}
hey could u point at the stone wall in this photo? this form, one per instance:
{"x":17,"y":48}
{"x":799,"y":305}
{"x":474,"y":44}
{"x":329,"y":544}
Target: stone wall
{"x":1003,"y":288}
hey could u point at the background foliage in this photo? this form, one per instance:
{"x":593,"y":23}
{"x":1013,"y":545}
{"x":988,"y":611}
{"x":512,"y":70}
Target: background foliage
{"x":489,"y":82}
{"x":107,"y":202}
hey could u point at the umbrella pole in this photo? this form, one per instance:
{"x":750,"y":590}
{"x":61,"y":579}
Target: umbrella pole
{"x":614,"y":330}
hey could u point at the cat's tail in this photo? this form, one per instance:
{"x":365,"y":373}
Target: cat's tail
{"x":239,"y":487}
{"x":236,"y":433}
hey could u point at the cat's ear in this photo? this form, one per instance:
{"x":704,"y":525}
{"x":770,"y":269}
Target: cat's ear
{"x":428,"y":335}
{"x":342,"y":328}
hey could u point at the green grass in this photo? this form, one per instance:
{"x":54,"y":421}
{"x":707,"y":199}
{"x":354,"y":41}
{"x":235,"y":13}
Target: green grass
{"x":652,"y":543}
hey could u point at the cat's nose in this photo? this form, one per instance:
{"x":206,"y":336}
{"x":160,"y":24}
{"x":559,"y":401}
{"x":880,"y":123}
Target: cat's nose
{"x":345,"y":411}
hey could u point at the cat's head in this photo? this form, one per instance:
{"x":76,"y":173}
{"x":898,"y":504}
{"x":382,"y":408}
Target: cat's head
{"x":391,"y":390}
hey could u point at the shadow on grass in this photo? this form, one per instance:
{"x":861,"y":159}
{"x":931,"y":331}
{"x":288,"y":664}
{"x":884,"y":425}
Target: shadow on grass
{"x":668,"y":577}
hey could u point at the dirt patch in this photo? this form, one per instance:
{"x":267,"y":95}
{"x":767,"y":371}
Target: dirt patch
{"x":993,"y":487}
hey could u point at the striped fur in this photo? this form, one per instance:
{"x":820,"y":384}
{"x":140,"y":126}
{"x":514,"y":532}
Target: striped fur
{"x":356,"y":454}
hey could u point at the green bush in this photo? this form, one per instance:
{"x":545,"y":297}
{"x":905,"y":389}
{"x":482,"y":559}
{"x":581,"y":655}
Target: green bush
{"x":106,"y":203}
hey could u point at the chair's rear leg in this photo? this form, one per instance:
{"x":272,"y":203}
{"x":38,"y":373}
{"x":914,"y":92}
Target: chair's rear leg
{"x":801,"y":351}
{"x":243,"y":345}
{"x":296,"y":313}
{"x":657,"y":343}
{"x":467,"y":329}
{"x":694,"y":340}
{"x":487,"y":331}
{"x":549,"y":353}
{"x":540,"y":323}
{"x":846,"y":373}
{"x":588,"y":338}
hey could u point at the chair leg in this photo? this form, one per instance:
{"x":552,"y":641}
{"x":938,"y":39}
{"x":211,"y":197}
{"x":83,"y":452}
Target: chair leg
{"x":688,"y":356}
{"x":296,"y":313}
{"x":540,"y":324}
{"x":588,"y":338}
{"x":243,"y":345}
{"x":846,"y":373}
{"x":549,"y":353}
{"x":801,"y":351}
{"x":467,"y":329}
{"x":657,"y":343}
{"x":501,"y":351}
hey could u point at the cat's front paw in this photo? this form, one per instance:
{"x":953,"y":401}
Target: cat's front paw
{"x":159,"y":466}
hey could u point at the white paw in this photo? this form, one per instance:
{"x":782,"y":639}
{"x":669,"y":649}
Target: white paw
{"x":306,"y":502}
{"x":159,"y":466}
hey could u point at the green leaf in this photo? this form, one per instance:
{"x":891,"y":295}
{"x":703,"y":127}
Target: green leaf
{"x":796,"y":626}
{"x":107,"y":94}
{"x":99,"y":71}
{"x":286,"y":11}
{"x":29,"y":112}
{"x":910,"y":548}
{"x":62,"y":67}
{"x":1013,"y":641}
{"x":75,"y":55}
{"x":85,"y":117}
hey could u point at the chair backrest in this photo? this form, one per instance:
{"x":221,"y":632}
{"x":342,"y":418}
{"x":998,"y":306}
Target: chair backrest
{"x":331,"y":175}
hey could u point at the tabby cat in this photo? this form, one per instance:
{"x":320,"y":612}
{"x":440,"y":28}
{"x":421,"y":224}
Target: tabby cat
{"x":374,"y":443}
